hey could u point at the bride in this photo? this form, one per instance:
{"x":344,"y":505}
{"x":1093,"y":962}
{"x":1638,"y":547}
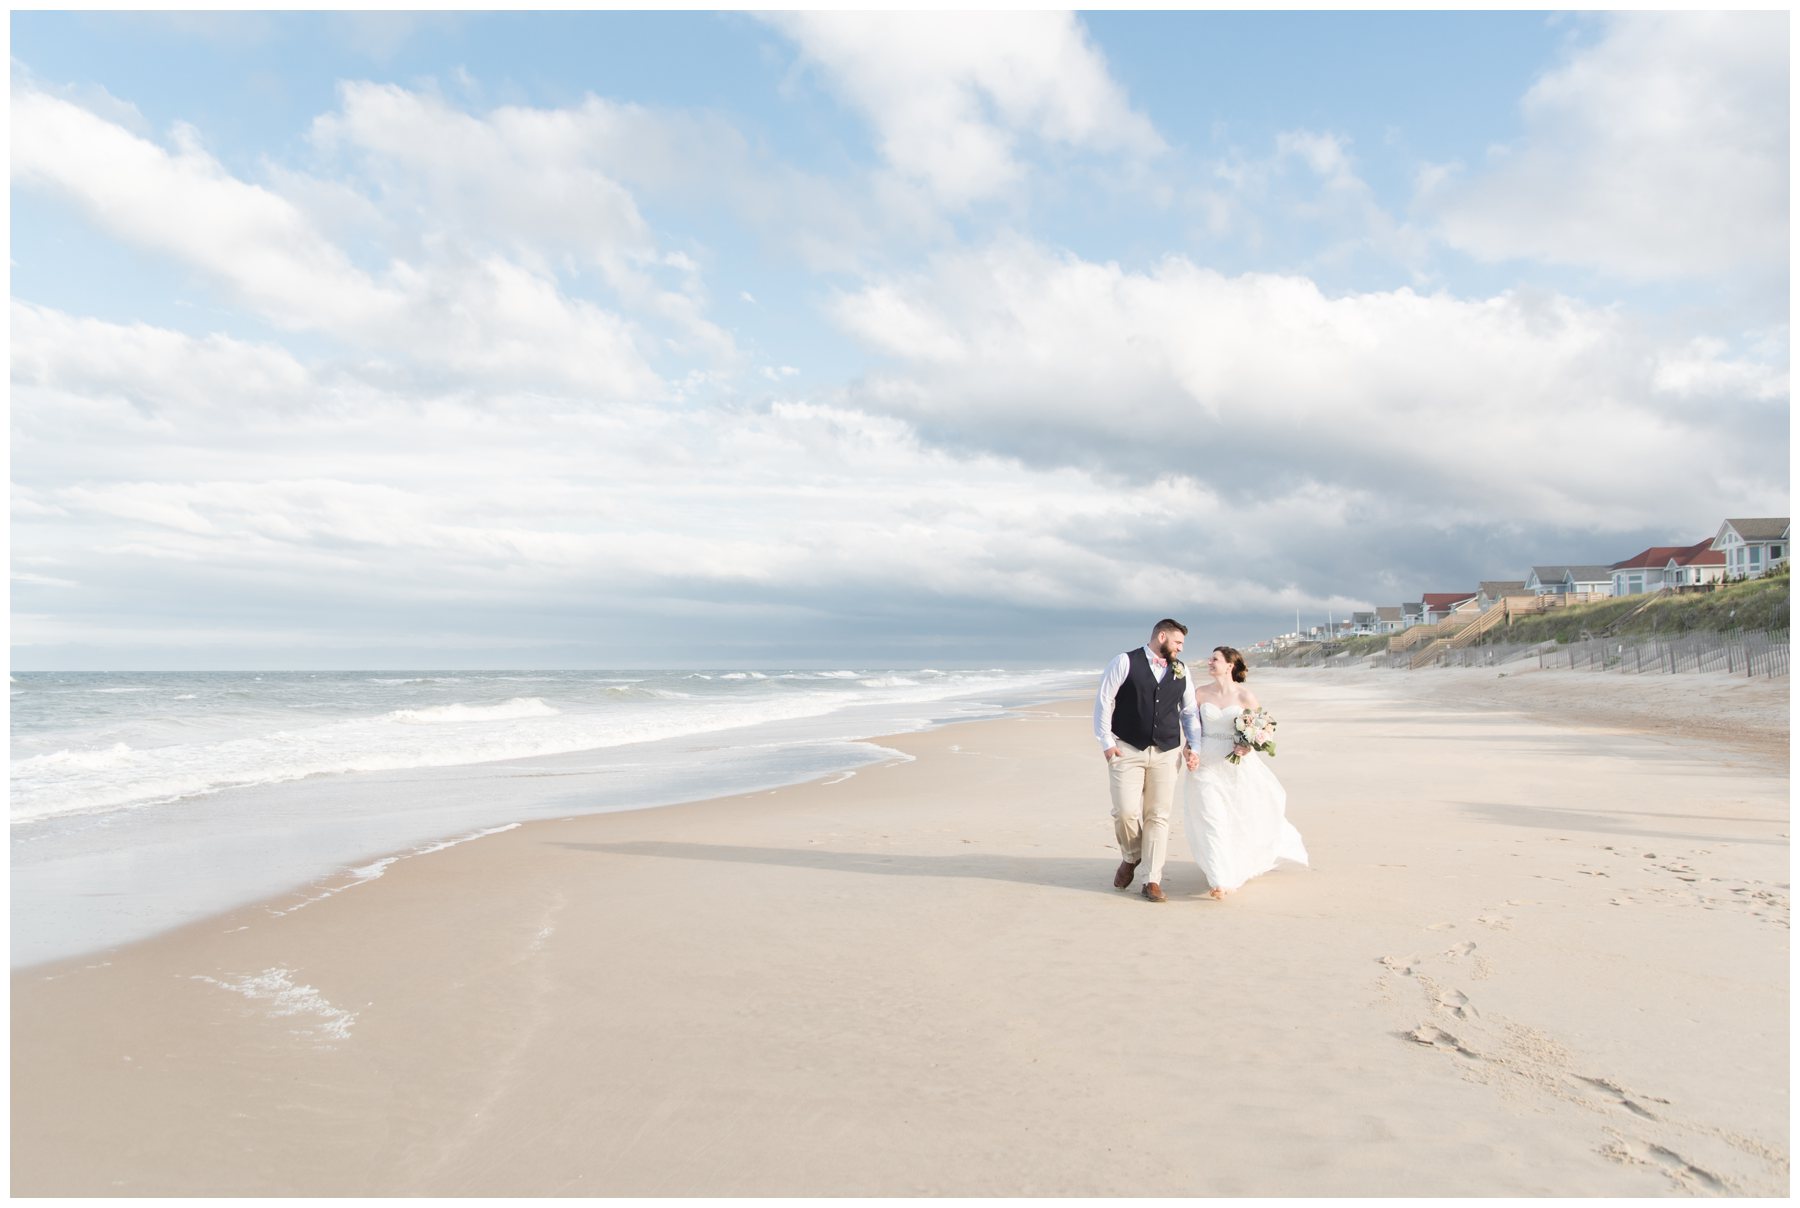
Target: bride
{"x":1235,"y":814}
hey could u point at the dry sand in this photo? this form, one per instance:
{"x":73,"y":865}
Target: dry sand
{"x":1534,"y":957}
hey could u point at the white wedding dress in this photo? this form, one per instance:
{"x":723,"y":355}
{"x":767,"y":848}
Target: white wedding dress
{"x":1235,"y":814}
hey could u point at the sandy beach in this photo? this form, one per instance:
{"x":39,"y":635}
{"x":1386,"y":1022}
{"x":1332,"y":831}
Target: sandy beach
{"x":1542,"y":950}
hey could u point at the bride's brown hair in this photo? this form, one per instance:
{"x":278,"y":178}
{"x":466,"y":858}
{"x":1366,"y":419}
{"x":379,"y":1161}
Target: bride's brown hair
{"x":1240,"y":670}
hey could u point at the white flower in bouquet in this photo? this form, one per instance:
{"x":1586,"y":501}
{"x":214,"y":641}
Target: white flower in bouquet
{"x":1256,"y":730}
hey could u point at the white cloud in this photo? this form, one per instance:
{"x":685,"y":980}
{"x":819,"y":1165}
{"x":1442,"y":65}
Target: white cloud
{"x":183,"y":202}
{"x":951,"y":95}
{"x":1521,"y":407}
{"x":452,"y":310}
{"x":473,"y":504}
{"x":442,"y":168}
{"x":1658,"y":153}
{"x":1306,"y":189}
{"x":149,"y":367}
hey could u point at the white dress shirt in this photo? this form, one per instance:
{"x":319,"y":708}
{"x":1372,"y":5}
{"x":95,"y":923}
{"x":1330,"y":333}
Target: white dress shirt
{"x":1114,"y":677}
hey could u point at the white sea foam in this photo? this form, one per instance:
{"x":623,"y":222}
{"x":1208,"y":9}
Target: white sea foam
{"x":243,"y":749}
{"x":461,"y":839}
{"x":287,"y":1000}
{"x":117,"y":755}
{"x":371,"y":872}
{"x":518,"y":706}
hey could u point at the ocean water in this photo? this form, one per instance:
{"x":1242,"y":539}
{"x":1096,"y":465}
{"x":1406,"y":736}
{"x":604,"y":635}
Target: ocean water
{"x":144,"y":800}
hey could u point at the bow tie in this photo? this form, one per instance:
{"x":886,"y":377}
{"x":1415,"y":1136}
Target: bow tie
{"x":1156,"y":662}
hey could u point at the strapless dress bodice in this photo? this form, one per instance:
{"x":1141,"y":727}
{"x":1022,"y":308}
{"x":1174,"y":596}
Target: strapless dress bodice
{"x":1216,"y":724}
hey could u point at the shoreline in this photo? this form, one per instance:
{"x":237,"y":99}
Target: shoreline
{"x":185,"y":860}
{"x":911,"y":981}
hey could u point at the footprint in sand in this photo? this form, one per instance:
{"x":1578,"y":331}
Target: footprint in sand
{"x":1442,"y":927}
{"x":1683,"y":1173}
{"x":1456,"y":1002}
{"x":1614,"y":1093}
{"x":1684,"y":1169}
{"x":1449,"y":1000}
{"x":1434,"y":1037}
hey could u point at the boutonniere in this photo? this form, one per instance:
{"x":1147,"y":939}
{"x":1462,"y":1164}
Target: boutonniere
{"x":1180,"y":668}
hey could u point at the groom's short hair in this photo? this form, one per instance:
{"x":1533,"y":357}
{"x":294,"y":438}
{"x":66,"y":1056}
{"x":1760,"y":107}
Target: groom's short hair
{"x":1166,"y":624}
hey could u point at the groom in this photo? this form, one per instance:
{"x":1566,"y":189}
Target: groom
{"x":1145,"y":705}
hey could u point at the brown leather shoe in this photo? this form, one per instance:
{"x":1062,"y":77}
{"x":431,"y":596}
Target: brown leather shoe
{"x":1154,"y":892}
{"x":1127,"y":870}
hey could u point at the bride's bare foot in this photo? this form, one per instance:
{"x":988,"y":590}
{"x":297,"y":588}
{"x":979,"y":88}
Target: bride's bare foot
{"x":1217,"y":895}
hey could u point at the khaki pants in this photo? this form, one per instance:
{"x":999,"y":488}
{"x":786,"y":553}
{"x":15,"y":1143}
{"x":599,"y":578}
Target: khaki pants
{"x":1143,"y":797}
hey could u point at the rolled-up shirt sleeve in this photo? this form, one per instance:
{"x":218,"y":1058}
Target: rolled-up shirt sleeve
{"x":1190,"y":712}
{"x":1110,"y":681}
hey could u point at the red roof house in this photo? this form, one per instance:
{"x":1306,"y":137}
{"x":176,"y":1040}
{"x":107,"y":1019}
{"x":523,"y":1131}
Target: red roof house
{"x":1440,"y":604}
{"x":1657,"y":567}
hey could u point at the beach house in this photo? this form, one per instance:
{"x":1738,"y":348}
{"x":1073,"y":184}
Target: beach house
{"x":1389,"y":618}
{"x":1752,"y":547}
{"x":1492,"y":591}
{"x":1545,"y":580}
{"x":1699,"y":565}
{"x":1587,"y":582}
{"x":1412,"y":614}
{"x":1648,"y":570}
{"x":1440,"y":604}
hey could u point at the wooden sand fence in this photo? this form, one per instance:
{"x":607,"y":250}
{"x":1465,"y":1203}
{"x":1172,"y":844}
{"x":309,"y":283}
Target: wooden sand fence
{"x":1747,"y":654}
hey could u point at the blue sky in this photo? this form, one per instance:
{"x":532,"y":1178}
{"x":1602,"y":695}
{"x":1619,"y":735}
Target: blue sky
{"x":664,"y":338}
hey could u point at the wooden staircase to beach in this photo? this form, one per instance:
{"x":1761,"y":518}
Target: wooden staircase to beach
{"x":1504,"y":609}
{"x":1430,"y":653}
{"x":1455,"y":632}
{"x":1652,"y":598}
{"x":1406,"y":639}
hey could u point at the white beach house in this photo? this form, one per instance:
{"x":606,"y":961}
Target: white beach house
{"x":1642,"y":571}
{"x":1587,"y":581}
{"x":1752,"y":547}
{"x":1698,"y":565}
{"x":1545,"y":580}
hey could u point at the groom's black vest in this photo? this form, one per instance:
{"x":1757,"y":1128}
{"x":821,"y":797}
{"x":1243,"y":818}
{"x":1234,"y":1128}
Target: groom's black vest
{"x":1147,"y":713}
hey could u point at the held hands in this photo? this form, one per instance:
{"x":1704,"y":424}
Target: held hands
{"x":1240,"y":750}
{"x":1193,"y":758}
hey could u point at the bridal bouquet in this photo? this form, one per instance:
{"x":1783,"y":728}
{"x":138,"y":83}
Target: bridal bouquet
{"x":1256,"y":730}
